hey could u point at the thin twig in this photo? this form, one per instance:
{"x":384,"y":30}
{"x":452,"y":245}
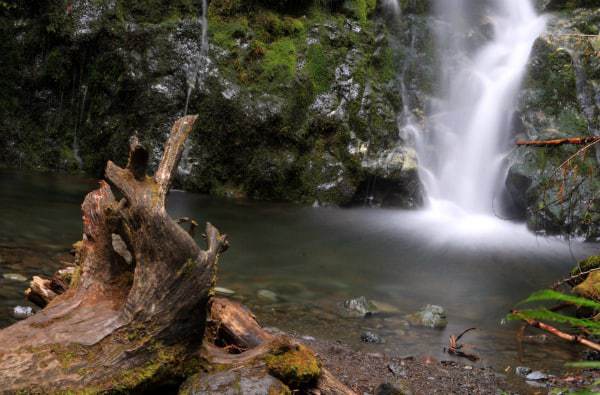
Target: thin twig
{"x":557,"y":332}
{"x":573,"y":278}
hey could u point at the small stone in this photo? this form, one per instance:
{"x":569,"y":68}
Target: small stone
{"x":392,"y":389}
{"x":468,"y":367}
{"x":370,"y":337}
{"x":431,"y":316}
{"x":14,"y":277}
{"x":522,"y":370}
{"x":536,"y":376}
{"x":308,"y":338}
{"x":22,"y":312}
{"x":397,"y":370}
{"x":267,"y":295}
{"x":359,"y":306}
{"x":224,"y":291}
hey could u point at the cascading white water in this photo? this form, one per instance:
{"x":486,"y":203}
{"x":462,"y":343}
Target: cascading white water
{"x":461,"y":163}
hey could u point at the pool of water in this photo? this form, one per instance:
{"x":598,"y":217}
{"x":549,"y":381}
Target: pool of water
{"x":477,"y":268}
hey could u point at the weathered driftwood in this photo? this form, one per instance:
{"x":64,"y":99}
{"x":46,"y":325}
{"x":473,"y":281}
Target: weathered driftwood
{"x":134,"y":315}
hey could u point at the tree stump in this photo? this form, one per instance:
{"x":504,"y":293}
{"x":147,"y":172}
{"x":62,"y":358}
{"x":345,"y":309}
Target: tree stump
{"x":136,"y":325}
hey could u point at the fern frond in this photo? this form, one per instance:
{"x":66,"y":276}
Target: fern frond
{"x":551,"y":295}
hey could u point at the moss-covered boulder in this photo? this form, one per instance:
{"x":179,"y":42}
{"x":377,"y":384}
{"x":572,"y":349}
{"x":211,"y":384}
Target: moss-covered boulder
{"x":590,"y":287}
{"x":298,"y":366}
{"x":559,"y":99}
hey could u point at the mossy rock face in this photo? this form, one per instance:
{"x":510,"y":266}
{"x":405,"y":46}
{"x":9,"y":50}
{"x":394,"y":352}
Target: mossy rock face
{"x":297,"y":366}
{"x":290,"y":90}
{"x":558,"y":100}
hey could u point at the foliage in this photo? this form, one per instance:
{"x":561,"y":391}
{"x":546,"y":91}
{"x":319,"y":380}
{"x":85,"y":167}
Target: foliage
{"x":548,"y":295}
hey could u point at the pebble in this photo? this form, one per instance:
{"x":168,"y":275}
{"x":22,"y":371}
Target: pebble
{"x":370,"y":337}
{"x":397,"y":370}
{"x":536,"y":376}
{"x":224,"y":291}
{"x":267,"y":295}
{"x":22,"y":312}
{"x":308,"y":338}
{"x":522,"y":370}
{"x":14,"y":277}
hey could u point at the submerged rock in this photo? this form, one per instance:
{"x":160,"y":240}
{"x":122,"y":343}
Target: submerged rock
{"x":359,"y":307}
{"x":431,"y":316}
{"x":267,"y":295}
{"x":22,"y":312}
{"x":371,"y":337}
{"x":14,"y":277}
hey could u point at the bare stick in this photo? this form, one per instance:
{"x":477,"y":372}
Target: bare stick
{"x":564,"y":141}
{"x":557,"y":332}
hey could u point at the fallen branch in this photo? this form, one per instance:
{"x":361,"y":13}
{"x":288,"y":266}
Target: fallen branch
{"x":456,"y":349}
{"x":557,"y":332}
{"x":563,"y":141}
{"x":570,"y":280}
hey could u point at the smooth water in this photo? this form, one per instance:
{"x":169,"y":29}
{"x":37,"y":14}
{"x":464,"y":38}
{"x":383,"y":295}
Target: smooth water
{"x":462,"y":157}
{"x":314,"y":259}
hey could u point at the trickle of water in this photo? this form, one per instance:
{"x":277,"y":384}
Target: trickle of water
{"x":471,"y":128}
{"x":197,"y":74}
{"x":202,"y":61}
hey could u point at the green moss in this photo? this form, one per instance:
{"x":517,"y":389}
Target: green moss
{"x":319,"y":68}
{"x":589,"y":263}
{"x":280,"y":59}
{"x":297,"y":366}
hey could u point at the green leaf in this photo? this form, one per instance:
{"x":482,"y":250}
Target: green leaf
{"x":550,"y":295}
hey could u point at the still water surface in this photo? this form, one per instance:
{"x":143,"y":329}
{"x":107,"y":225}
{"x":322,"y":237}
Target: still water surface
{"x":314,"y":259}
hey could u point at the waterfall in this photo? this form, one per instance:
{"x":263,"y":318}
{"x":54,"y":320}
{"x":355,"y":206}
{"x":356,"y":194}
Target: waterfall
{"x":462,"y":155}
{"x":194,"y":77}
{"x":201,"y":63}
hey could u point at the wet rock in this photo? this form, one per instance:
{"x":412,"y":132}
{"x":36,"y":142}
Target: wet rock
{"x":359,"y":307}
{"x":267,"y":295}
{"x":224,"y":291}
{"x":522,"y":371}
{"x":22,"y":312}
{"x":371,"y":337}
{"x":247,"y":380}
{"x":431,"y":316}
{"x":536,"y":376}
{"x":14,"y":277}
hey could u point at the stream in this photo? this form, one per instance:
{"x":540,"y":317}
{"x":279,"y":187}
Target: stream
{"x":311,"y":260}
